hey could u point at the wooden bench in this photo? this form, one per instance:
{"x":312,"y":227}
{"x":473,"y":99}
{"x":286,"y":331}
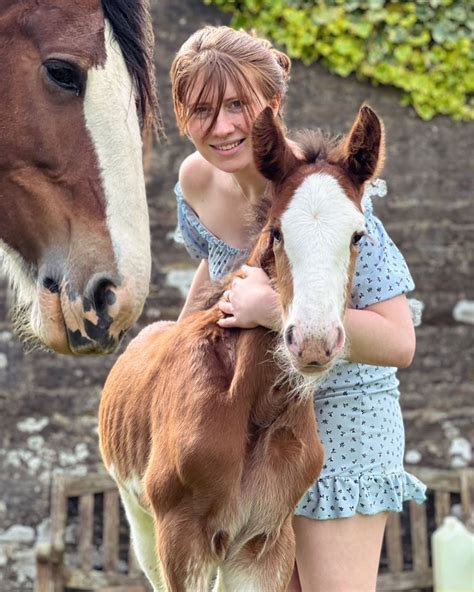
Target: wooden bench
{"x":405,"y":563}
{"x":53,"y":572}
{"x":413,"y":529}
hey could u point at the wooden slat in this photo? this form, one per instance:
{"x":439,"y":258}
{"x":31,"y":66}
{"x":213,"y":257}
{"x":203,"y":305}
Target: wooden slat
{"x":437,"y":479}
{"x":393,"y":543}
{"x":408,"y":580}
{"x":442,"y":501}
{"x":58,"y":528}
{"x":95,"y":580}
{"x":44,"y":577}
{"x":58,"y":511}
{"x":419,"y":537}
{"x":122,"y":589}
{"x":86,"y":525}
{"x":467,"y":494}
{"x":111,"y":530}
{"x":99,"y":483}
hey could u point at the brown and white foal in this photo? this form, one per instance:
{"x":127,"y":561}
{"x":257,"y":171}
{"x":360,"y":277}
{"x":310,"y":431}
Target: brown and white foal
{"x":210,"y":442}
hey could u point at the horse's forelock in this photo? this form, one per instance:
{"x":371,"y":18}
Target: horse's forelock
{"x":131,"y":23}
{"x":317,"y":145}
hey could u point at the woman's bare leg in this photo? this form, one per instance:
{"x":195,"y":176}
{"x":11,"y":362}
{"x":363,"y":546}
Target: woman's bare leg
{"x":340,"y":555}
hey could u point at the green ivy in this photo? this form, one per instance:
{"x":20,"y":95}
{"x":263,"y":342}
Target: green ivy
{"x":423,"y":47}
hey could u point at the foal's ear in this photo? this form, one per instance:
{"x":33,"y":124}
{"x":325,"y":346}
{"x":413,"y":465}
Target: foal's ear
{"x":364,"y":149}
{"x":272,"y":155}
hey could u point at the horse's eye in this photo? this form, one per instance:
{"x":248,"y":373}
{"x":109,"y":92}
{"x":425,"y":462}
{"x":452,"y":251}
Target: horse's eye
{"x":357,"y":237}
{"x":65,"y":75}
{"x":276,"y":235}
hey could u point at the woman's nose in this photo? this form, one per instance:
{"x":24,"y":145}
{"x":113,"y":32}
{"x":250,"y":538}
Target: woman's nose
{"x":224,"y":124}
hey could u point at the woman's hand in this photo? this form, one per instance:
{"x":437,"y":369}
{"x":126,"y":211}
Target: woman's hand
{"x":251,"y":301}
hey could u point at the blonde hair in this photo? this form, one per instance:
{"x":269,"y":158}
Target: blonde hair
{"x":213,"y":56}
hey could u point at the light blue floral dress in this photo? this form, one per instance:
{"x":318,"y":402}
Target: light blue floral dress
{"x":357,"y":406}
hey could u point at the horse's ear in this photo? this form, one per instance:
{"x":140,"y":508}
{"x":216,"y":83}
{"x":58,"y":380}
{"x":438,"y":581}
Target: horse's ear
{"x":272,"y":155}
{"x":262,"y":254}
{"x":364,"y":148}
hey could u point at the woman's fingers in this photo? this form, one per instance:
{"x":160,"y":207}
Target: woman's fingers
{"x":226,"y":307}
{"x":227,"y":322}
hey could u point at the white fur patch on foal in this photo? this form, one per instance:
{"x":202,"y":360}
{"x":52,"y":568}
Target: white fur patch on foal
{"x":112,"y":120}
{"x":317,"y":229}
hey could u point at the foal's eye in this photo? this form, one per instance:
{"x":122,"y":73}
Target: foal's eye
{"x":66,"y":75}
{"x":275,"y":233}
{"x":357,"y":237}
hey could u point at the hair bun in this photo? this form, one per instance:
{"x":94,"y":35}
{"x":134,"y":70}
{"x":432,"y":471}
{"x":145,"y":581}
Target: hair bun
{"x":283,"y":61}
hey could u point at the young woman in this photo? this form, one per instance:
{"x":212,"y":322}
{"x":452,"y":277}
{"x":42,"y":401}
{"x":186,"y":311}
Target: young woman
{"x":221,"y":80}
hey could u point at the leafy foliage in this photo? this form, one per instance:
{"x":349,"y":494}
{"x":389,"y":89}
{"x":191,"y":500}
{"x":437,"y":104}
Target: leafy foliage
{"x":424,"y":47}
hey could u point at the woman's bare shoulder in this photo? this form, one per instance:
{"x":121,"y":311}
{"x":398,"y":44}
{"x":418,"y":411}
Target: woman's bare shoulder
{"x":196,"y":177}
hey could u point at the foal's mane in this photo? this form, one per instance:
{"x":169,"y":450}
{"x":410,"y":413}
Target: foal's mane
{"x":131,"y":23}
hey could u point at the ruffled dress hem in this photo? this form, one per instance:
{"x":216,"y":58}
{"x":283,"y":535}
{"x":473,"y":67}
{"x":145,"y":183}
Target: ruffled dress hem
{"x":342,"y":497}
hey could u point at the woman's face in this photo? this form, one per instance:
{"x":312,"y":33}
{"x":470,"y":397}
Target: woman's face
{"x":228,"y":144}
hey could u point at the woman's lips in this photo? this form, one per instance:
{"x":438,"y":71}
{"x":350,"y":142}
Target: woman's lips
{"x":229,"y":147}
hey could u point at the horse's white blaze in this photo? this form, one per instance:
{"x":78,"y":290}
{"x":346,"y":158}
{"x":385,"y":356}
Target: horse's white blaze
{"x":317,"y":229}
{"x":112,"y":120}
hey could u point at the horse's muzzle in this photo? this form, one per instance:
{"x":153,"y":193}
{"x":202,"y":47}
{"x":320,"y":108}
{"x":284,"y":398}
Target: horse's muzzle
{"x":91,"y":323}
{"x":313,"y":353}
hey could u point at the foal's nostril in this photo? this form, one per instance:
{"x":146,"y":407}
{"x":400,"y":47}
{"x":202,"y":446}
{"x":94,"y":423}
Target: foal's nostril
{"x":51,"y":285}
{"x":289,"y":335}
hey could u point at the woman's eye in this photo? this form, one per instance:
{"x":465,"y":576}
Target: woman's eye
{"x":236,"y":105}
{"x":66,"y":75}
{"x":357,"y":237}
{"x":202,"y":111}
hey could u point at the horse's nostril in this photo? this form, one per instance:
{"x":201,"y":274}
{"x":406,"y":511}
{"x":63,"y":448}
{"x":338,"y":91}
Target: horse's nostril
{"x":51,"y":285}
{"x":103,"y":296}
{"x":289,"y":335}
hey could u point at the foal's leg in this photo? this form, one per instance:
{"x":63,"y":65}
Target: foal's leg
{"x":143,"y":539}
{"x":184,"y":550}
{"x":270,"y":572}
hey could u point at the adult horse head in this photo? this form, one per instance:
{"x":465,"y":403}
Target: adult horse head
{"x":77,"y":92}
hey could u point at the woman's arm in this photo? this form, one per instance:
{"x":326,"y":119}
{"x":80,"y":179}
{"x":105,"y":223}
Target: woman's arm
{"x":381,"y":334}
{"x":200,"y":281}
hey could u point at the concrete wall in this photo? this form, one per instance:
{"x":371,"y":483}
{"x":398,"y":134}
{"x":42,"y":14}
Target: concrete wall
{"x":48,"y":403}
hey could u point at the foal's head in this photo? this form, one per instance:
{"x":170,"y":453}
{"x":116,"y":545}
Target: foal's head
{"x":310,"y":242}
{"x":76,"y":85}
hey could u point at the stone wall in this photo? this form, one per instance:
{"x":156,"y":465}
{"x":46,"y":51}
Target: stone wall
{"x":48,"y":403}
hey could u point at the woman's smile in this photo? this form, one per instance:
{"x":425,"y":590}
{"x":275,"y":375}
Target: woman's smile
{"x":228,"y":148}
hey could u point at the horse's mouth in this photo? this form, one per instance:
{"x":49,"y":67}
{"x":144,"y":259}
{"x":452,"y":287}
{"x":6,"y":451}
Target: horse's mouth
{"x":64,"y":327}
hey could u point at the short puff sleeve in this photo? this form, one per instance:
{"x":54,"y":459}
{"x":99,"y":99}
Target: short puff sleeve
{"x":381,"y":272}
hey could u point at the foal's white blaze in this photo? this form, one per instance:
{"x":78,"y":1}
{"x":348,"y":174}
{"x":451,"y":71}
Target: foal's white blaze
{"x":112,"y":120}
{"x":317,"y":228}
